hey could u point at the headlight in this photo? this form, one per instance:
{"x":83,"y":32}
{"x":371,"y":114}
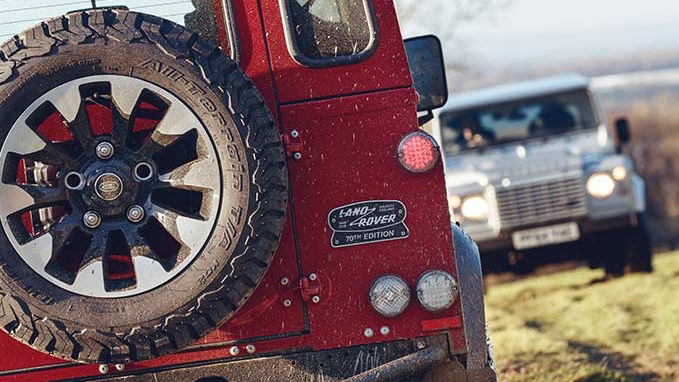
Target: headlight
{"x":475,"y":208}
{"x":436,"y":290}
{"x":600,"y":185}
{"x":390,"y":295}
{"x":454,"y":201}
{"x":619,"y":173}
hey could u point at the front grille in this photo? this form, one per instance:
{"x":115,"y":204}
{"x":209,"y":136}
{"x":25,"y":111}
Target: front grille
{"x":541,"y":202}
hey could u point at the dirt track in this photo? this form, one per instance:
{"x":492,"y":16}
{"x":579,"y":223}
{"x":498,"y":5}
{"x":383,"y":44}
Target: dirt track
{"x":571,"y":326}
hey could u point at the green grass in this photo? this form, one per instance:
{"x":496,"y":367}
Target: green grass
{"x":570,"y":327}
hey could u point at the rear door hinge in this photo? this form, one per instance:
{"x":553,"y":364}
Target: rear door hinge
{"x":310,"y":288}
{"x":293,"y":144}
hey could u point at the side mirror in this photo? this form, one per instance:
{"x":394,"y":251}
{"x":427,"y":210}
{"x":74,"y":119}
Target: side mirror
{"x":425,"y":57}
{"x":622,"y":130}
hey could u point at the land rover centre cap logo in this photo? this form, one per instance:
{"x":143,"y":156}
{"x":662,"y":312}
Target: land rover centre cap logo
{"x":368,"y":222}
{"x":108,"y":186}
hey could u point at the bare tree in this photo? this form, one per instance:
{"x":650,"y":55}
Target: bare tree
{"x":444,"y":18}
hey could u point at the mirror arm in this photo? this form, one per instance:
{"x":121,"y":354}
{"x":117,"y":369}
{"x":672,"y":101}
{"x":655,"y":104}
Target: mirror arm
{"x":422,"y":120}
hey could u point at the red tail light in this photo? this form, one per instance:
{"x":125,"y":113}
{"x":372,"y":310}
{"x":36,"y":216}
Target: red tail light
{"x":418,"y":152}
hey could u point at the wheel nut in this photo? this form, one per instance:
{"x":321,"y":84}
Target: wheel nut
{"x":92,"y":219}
{"x":105,"y":150}
{"x":135,"y":214}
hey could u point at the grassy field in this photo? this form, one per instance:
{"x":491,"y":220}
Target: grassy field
{"x":571,"y":326}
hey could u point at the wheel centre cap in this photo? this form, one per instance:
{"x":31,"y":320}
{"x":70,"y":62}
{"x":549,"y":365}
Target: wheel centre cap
{"x":108,"y":186}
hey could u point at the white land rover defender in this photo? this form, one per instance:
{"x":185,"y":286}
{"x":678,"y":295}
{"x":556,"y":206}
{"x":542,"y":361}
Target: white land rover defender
{"x":535,"y":174}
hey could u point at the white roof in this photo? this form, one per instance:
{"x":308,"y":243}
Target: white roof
{"x":516,"y":91}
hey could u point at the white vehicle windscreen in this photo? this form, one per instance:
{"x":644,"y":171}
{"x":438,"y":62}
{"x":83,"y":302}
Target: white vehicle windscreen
{"x":17,"y":15}
{"x":516,"y":121}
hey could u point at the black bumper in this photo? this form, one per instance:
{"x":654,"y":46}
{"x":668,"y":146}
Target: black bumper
{"x":418,"y":360}
{"x":590,"y":230}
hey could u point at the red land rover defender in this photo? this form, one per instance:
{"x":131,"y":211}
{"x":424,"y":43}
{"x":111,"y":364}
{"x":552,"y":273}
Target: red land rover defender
{"x":264,"y":211}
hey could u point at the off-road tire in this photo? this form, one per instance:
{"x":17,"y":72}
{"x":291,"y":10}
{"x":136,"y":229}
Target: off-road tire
{"x":220,"y":280}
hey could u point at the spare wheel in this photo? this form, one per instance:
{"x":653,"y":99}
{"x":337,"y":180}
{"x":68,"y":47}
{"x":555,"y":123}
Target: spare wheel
{"x":143,"y":187}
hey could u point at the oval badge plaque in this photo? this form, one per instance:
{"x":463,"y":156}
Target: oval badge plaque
{"x":368,"y":222}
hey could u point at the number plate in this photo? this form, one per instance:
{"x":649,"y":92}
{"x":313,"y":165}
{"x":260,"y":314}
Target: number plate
{"x":538,"y":237}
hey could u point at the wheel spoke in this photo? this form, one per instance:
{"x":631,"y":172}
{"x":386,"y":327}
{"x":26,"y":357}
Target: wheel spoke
{"x":180,"y":151}
{"x":121,"y":127}
{"x":178,"y":120}
{"x":194,"y":175}
{"x":191,"y":203}
{"x":24,"y":141}
{"x":66,"y":99}
{"x":18,"y":198}
{"x":165,"y":244}
{"x":81,"y":129}
{"x":125,"y":92}
{"x":139,"y":247}
{"x":69,"y":246}
{"x":90,"y":279}
{"x":44,"y":196}
{"x":51,"y":154}
{"x":61,"y":231}
{"x":14,"y":199}
{"x":96,"y":251}
{"x":187,"y":230}
{"x":119,"y":272}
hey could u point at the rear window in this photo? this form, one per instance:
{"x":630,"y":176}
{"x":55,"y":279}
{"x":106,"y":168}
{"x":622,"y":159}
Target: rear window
{"x":330,"y":32}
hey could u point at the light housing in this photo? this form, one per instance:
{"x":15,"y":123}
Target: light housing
{"x":390,"y":295}
{"x":600,"y":185}
{"x":475,"y":207}
{"x":436,"y":290}
{"x":418,"y":152}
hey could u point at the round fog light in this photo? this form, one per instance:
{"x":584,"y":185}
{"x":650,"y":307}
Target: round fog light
{"x":619,"y":173}
{"x":436,"y":290}
{"x":389,"y":295}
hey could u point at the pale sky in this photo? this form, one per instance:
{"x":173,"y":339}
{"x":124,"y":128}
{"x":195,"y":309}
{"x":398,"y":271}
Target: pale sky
{"x":525,"y":33}
{"x":16,"y":15}
{"x":545,"y":30}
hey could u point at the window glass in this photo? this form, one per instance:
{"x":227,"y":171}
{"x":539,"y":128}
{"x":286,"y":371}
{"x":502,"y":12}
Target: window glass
{"x":326,"y":31}
{"x":517,"y":121}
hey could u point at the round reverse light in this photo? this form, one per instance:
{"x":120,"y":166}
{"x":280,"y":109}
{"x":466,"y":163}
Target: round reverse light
{"x":600,"y":185}
{"x":436,"y":290}
{"x":389,"y":295}
{"x":418,"y":152}
{"x":475,"y":207}
{"x":619,"y":173}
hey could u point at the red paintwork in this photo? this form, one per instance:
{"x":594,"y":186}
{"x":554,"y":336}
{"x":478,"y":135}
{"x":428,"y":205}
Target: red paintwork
{"x":351,"y":119}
